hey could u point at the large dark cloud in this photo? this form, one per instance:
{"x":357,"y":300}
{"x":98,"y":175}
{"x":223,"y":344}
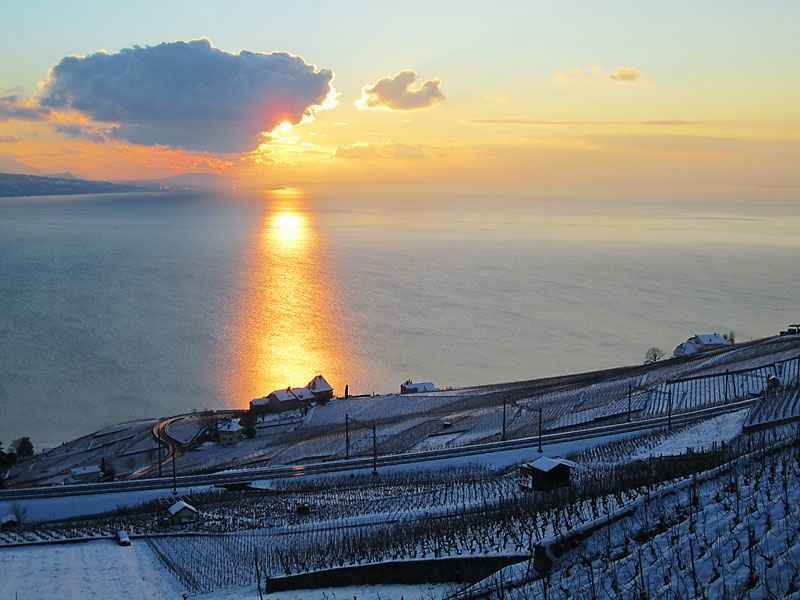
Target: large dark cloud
{"x":188,"y":94}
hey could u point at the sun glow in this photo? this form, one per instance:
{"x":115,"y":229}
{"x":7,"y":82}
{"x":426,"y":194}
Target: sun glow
{"x":287,"y":327}
{"x":288,"y":227}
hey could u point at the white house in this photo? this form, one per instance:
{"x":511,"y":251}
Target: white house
{"x":410,"y":387}
{"x":90,"y":474}
{"x":702,"y":342}
{"x":230,"y":433}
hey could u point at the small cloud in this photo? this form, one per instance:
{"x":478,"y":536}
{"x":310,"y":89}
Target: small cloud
{"x":597,"y":74}
{"x":189,"y":95}
{"x":650,"y":123}
{"x":396,"y":150}
{"x":9,"y":139}
{"x":365,"y":151}
{"x":629,"y":75}
{"x":495,"y":98}
{"x":357,"y":151}
{"x":396,"y":93}
{"x":11,"y":108}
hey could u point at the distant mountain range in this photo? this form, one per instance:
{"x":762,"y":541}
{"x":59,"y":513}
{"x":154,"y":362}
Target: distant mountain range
{"x":13,"y":184}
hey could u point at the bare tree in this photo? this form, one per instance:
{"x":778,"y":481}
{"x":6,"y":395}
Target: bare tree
{"x":653,"y":355}
{"x":19,"y":511}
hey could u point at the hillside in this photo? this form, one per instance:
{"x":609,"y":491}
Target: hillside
{"x":13,"y":185}
{"x":687,"y":508}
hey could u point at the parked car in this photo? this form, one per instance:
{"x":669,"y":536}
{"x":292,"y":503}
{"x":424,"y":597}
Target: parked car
{"x":123,"y":539}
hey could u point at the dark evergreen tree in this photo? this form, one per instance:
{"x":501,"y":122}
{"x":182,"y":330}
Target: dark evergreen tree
{"x":22,"y":448}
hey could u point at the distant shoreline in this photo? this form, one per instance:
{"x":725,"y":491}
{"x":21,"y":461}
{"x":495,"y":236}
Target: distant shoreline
{"x":15,"y":185}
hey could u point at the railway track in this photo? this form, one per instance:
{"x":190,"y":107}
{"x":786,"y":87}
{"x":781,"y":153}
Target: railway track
{"x":339,"y":466}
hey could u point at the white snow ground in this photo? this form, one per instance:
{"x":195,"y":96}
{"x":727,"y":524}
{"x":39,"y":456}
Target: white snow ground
{"x":701,"y":436}
{"x":424,"y":591}
{"x":98,"y":569}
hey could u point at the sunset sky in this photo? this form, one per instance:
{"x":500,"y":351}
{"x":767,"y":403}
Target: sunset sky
{"x":498,"y":94}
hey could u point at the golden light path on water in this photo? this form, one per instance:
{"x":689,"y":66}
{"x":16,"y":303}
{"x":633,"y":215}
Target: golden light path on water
{"x":287,"y":327}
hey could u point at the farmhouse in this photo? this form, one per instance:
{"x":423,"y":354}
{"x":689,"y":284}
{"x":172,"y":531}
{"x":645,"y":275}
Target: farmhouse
{"x":317,"y":390}
{"x":320,"y":388}
{"x":90,"y":474}
{"x":181,"y":512}
{"x":701,"y":342}
{"x":230,"y":433}
{"x":547,"y":473}
{"x":410,"y":387}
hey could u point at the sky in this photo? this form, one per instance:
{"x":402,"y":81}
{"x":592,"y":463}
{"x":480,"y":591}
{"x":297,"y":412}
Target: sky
{"x":522,"y":94}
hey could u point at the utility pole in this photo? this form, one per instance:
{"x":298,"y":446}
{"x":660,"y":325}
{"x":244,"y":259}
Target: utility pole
{"x":346,"y":437}
{"x":540,"y":429}
{"x":174,"y":474}
{"x":629,"y":402}
{"x":726,"y":386}
{"x":504,"y":420}
{"x":669,"y":411}
{"x":158,"y":438}
{"x":374,"y":451}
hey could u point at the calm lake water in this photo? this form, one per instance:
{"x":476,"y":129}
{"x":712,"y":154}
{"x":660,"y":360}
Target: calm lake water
{"x":118,"y":307}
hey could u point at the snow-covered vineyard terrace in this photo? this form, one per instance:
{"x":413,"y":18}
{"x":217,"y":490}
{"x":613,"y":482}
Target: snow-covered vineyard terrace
{"x":693,"y":508}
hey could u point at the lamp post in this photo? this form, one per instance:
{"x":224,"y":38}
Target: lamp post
{"x":539,"y":408}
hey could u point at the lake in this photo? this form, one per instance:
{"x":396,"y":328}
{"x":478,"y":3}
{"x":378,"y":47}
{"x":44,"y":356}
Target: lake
{"x":119,"y":307}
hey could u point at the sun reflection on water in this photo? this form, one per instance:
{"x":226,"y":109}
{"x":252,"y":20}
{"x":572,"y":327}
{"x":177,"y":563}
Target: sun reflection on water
{"x":287,"y":327}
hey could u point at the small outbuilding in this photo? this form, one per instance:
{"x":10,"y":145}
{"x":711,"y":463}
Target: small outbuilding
{"x":409,"y":387}
{"x":547,"y":473}
{"x":9,"y":522}
{"x":90,"y":474}
{"x":181,"y":513}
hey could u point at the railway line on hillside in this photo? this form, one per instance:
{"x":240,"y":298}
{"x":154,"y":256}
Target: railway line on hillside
{"x":247,"y":476}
